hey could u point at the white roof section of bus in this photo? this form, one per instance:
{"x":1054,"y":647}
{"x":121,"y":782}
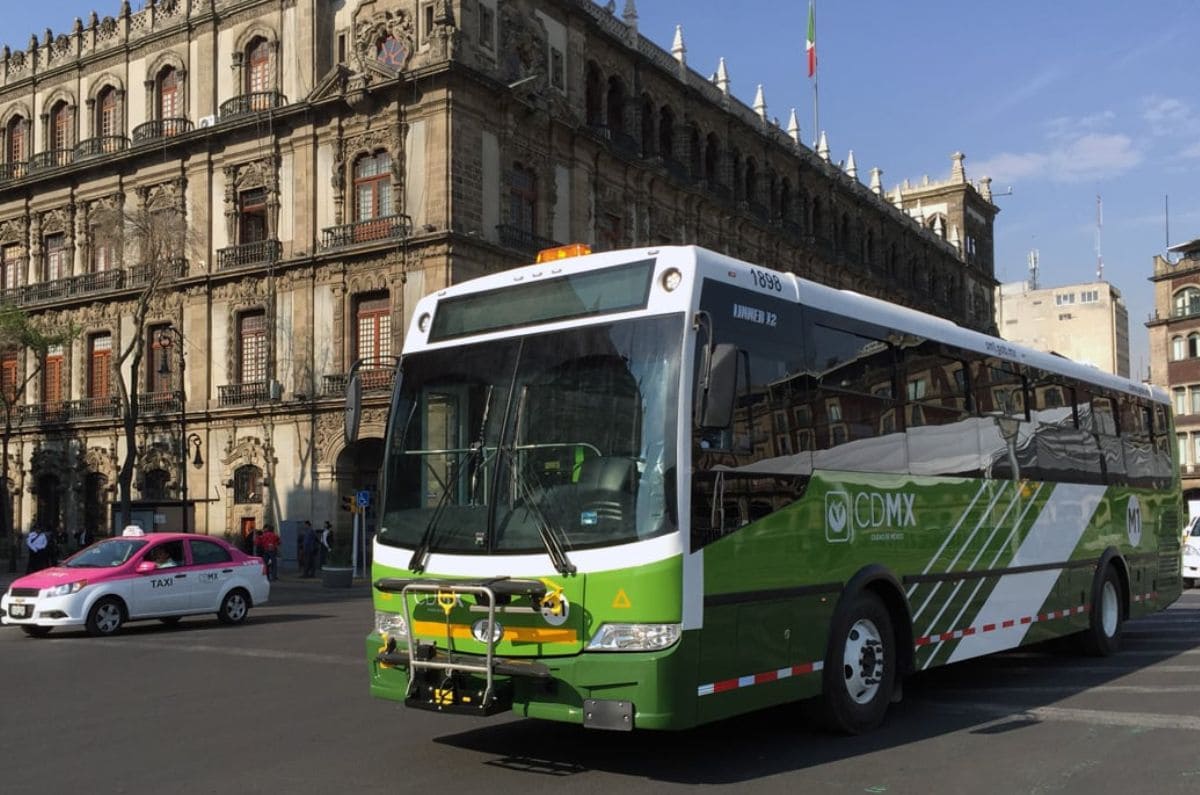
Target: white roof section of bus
{"x":660,"y":301}
{"x":856,"y":305}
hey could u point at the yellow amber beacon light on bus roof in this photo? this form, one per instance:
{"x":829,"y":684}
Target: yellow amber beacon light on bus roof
{"x":563,"y":252}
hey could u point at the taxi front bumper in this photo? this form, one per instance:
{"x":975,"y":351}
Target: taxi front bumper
{"x":44,"y":611}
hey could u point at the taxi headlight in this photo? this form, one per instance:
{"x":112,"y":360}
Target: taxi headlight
{"x":391,"y":624}
{"x":67,"y":588}
{"x":634,"y":637}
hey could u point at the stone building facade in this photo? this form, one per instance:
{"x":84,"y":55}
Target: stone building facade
{"x":1175,"y":354}
{"x":333,"y":160}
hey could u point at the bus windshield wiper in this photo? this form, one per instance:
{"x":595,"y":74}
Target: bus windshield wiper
{"x":420,"y":555}
{"x":551,"y":538}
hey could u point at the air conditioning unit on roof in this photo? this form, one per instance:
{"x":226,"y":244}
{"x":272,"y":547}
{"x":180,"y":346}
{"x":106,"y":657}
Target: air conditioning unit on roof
{"x":207,"y":121}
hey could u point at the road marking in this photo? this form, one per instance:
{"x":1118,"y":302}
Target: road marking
{"x":1141,"y":720}
{"x":1052,"y":666}
{"x":1076,"y":689}
{"x":269,"y":654}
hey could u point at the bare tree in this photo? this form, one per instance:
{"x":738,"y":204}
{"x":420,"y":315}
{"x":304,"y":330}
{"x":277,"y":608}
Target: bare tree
{"x":156,"y":240}
{"x":19,"y":334}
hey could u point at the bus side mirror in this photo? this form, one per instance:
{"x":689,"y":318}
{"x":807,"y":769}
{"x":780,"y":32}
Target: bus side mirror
{"x":353,"y":406}
{"x":716,"y":400}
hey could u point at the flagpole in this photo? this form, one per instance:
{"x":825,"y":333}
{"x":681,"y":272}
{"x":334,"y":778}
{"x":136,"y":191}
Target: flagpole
{"x":813,"y":67}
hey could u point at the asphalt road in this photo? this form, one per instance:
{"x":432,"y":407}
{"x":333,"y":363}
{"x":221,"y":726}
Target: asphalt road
{"x":280,"y":705}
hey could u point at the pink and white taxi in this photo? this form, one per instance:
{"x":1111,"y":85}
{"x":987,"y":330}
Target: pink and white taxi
{"x":138,"y":576}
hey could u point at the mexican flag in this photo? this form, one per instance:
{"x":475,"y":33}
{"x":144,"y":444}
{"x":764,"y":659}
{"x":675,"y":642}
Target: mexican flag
{"x":811,"y":44}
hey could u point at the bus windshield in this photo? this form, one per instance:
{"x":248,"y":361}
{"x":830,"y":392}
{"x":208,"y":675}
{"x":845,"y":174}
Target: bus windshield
{"x":494,"y":447}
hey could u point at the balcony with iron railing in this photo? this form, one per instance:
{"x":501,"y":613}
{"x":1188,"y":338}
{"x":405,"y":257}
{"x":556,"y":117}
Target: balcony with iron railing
{"x":159,"y":129}
{"x":243,"y":394}
{"x":372,"y":230}
{"x":150,"y":403}
{"x":15,"y":170}
{"x":374,"y":376}
{"x":51,"y":158}
{"x":520,"y":240}
{"x":260,"y":252}
{"x":247,"y":104}
{"x":58,"y":412}
{"x":100,"y":146}
{"x":92,"y":283}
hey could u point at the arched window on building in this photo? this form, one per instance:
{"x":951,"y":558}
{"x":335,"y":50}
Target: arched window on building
{"x":16,"y":147}
{"x":1193,"y":345}
{"x":108,"y":119}
{"x":247,"y":485}
{"x":1187,"y":302}
{"x":258,"y":73}
{"x":522,"y":199}
{"x":99,"y":371}
{"x":1178,"y":351}
{"x":373,"y":338}
{"x":712,"y":160}
{"x":593,"y":96}
{"x":648,"y":141}
{"x":253,"y":350}
{"x":614,"y":105}
{"x":62,"y":131}
{"x":750,"y":175}
{"x":169,"y":99}
{"x":666,"y":133}
{"x":52,"y":377}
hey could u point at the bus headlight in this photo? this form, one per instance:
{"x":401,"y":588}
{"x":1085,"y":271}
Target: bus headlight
{"x":1191,"y":549}
{"x":391,"y":624}
{"x":634,"y":637}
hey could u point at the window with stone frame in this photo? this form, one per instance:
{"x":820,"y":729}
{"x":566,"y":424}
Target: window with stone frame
{"x":55,"y":263}
{"x":373,"y":337}
{"x":169,"y":95}
{"x":16,"y":146}
{"x":108,"y":118}
{"x":258,"y":69}
{"x":10,"y":365}
{"x":487,"y":26}
{"x":103,"y":251}
{"x":610,"y":234}
{"x":62,"y":122}
{"x":52,"y":376}
{"x":159,"y":342}
{"x":390,"y":51}
{"x":252,"y":216}
{"x":154,"y":485}
{"x":522,"y":199}
{"x":373,"y":186}
{"x":12,"y":262}
{"x":99,"y":373}
{"x":247,"y":485}
{"x":252,"y":347}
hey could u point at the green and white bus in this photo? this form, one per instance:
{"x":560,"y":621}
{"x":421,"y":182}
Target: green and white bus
{"x":655,"y":488}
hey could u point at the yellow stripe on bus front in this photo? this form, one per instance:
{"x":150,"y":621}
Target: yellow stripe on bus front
{"x":513,"y":634}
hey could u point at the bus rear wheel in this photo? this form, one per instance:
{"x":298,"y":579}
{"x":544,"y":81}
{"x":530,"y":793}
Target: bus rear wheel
{"x":860,"y":666}
{"x":1103,"y":635}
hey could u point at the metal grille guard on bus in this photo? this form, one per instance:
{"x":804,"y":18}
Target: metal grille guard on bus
{"x":492,"y":596}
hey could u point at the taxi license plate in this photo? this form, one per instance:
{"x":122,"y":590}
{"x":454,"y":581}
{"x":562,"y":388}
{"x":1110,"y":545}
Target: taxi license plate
{"x":18,"y":611}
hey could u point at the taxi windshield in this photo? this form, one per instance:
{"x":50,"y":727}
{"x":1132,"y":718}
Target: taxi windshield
{"x":106,"y":554}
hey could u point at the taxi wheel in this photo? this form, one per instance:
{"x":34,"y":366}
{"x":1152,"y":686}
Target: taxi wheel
{"x":234,"y":607}
{"x":106,"y":617}
{"x":36,"y":632}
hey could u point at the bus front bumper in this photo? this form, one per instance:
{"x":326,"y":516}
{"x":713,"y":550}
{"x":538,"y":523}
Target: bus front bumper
{"x":603,"y":690}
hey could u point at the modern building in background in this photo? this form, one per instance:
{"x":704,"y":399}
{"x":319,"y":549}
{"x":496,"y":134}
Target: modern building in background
{"x":333,"y":160}
{"x":1175,"y":353}
{"x":1086,"y":322}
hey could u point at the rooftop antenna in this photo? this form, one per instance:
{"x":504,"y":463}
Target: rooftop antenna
{"x":1099,"y":234}
{"x":1167,"y":223}
{"x":1033,"y":268}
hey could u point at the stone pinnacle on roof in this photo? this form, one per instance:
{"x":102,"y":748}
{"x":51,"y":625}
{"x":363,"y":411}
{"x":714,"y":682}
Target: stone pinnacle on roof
{"x":898,"y":198}
{"x":877,"y":181}
{"x":760,"y":103}
{"x":985,"y":188}
{"x":631,"y":21}
{"x":823,"y":147}
{"x":677,"y":47}
{"x":722,"y":77}
{"x":793,"y":128}
{"x":851,"y":166}
{"x":957,"y":172}
{"x":939,"y":226}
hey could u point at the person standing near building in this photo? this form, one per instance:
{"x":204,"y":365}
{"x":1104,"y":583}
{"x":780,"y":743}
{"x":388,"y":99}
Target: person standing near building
{"x":310,"y":550}
{"x":268,"y":542}
{"x":326,"y":543}
{"x":38,"y":542}
{"x":301,"y":563}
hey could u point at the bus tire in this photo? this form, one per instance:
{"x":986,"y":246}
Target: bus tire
{"x":1103,"y":635}
{"x":860,"y":666}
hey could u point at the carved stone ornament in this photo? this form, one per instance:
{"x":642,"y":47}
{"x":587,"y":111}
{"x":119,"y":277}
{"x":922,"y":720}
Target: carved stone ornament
{"x":523,"y":44}
{"x":384,"y":38}
{"x":14,"y":230}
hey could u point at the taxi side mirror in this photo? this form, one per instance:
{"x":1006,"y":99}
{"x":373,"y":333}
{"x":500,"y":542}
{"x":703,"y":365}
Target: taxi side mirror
{"x":145,"y":566}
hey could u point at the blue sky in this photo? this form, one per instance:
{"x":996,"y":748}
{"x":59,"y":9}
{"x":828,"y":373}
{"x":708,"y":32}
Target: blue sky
{"x":1060,"y":100}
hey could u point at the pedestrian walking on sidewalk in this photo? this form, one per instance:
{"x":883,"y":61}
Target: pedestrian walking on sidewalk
{"x":268,"y":542}
{"x":325,"y":543}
